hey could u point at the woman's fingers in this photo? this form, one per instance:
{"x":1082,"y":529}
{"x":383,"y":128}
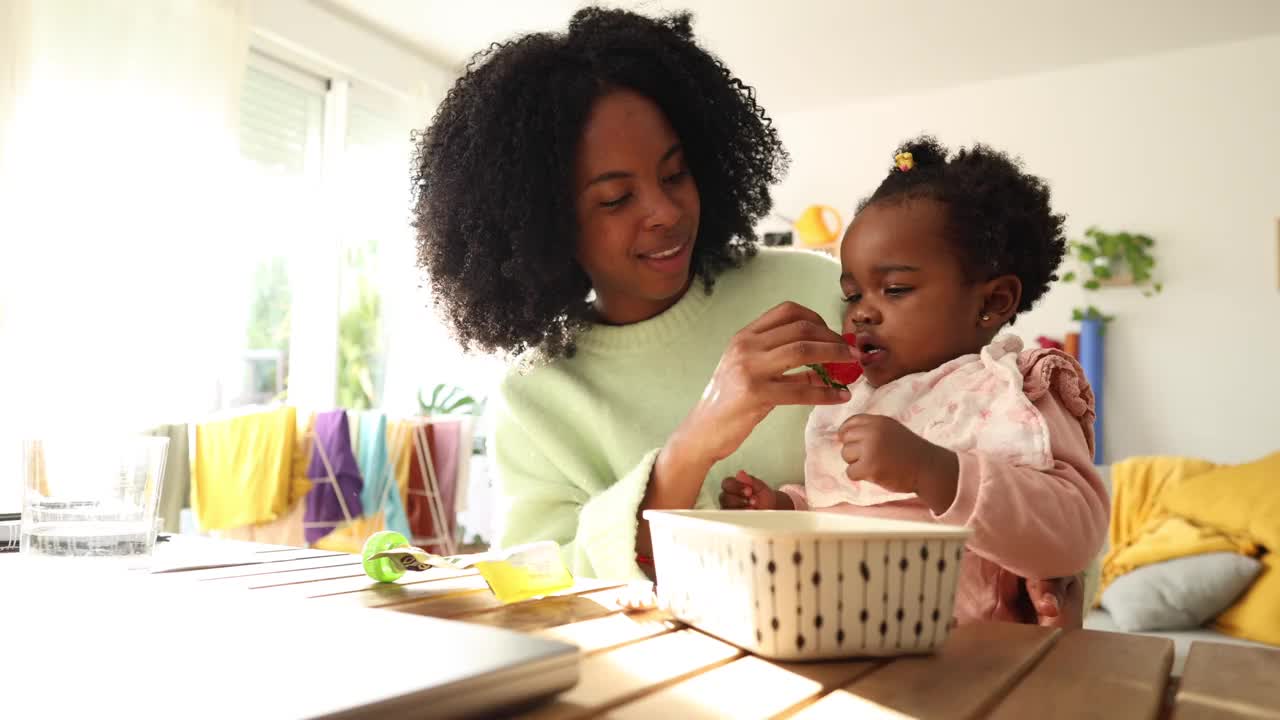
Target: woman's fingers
{"x":775,"y":362}
{"x":797,"y":331}
{"x":803,"y":377}
{"x":782,"y":314}
{"x":797,"y":393}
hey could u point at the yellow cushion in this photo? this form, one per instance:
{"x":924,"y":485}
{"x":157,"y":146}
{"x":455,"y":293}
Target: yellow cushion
{"x":1256,"y":615}
{"x":1137,"y":484}
{"x":1242,"y":500}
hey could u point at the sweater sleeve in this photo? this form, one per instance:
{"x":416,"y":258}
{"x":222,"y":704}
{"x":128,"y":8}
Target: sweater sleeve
{"x":1037,"y":524}
{"x":796,"y":492}
{"x":539,"y":499}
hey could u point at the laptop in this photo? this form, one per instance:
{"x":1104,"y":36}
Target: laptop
{"x":92,"y":644}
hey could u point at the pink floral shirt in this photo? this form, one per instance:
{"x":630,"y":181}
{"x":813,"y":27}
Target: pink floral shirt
{"x":1022,"y":426}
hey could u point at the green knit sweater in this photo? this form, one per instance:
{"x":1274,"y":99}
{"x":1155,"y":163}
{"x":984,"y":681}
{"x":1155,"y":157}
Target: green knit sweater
{"x":575,"y":440}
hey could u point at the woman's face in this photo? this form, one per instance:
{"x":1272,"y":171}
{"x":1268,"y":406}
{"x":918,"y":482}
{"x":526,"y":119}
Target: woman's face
{"x":637,"y":207}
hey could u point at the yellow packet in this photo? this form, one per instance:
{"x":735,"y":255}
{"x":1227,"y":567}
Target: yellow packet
{"x":514,"y":574}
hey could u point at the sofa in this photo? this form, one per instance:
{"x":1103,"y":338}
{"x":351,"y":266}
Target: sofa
{"x":1099,"y":619}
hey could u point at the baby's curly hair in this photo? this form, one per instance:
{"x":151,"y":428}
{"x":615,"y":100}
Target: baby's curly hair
{"x":999,"y":215}
{"x":492,"y":197}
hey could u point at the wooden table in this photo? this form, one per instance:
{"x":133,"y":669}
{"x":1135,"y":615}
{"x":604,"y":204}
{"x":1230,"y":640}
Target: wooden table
{"x":645,"y":665}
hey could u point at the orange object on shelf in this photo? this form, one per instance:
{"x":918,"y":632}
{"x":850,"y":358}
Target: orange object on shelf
{"x":1072,"y":345}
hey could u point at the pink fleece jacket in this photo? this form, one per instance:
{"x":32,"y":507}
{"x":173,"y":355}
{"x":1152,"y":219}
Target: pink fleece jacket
{"x":1026,"y":523}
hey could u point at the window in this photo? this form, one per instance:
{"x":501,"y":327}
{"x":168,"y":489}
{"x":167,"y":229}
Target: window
{"x":374,"y":185}
{"x":335,"y":312}
{"x":329,"y":245}
{"x":282,"y":115}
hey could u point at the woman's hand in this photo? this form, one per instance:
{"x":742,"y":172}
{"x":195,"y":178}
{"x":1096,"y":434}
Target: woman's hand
{"x":753,"y":377}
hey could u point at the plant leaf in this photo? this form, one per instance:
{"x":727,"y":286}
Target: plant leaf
{"x":822,"y":374}
{"x":1069,"y":277}
{"x":1092,"y":285}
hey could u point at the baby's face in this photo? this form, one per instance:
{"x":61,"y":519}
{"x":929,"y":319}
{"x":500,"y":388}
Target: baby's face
{"x":907,"y":297}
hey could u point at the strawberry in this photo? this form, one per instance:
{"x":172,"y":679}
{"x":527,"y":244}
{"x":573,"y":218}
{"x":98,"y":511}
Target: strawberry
{"x":840,"y":375}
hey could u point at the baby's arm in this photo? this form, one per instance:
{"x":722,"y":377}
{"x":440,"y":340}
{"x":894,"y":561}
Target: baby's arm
{"x":796,"y":494}
{"x":1037,"y":524}
{"x":747,"y":492}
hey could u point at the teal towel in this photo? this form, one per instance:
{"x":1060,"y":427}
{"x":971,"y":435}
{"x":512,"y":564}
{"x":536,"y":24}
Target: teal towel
{"x":376,"y":468}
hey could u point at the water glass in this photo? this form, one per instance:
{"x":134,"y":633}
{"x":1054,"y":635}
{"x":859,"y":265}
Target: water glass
{"x":91,"y":496}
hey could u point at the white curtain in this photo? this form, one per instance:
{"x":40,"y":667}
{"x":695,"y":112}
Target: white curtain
{"x":420,"y":353}
{"x":118,"y":150}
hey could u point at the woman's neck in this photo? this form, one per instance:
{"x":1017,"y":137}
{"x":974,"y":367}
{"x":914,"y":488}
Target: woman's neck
{"x":631,"y":310}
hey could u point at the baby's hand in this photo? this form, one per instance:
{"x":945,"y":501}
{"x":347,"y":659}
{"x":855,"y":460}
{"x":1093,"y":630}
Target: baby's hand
{"x":744,"y":492}
{"x":1058,"y":602}
{"x":884,"y":451}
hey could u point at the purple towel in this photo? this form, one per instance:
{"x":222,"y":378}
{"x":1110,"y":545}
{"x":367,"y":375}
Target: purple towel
{"x":331,"y":433}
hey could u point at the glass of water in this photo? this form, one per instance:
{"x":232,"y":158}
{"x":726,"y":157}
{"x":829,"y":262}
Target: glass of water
{"x":92,"y":496}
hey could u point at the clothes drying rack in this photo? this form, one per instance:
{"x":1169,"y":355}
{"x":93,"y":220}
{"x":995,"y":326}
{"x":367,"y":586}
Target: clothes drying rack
{"x":442,"y":539}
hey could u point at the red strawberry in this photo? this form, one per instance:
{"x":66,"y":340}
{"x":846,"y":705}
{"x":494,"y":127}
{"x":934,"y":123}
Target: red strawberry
{"x":840,"y":375}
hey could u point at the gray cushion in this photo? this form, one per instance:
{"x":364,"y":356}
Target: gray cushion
{"x":1179,"y":594}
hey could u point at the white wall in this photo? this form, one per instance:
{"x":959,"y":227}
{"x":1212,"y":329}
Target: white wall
{"x":303,"y":32}
{"x":1184,"y":147}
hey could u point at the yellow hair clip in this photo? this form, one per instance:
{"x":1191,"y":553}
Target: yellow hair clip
{"x":904,"y":161}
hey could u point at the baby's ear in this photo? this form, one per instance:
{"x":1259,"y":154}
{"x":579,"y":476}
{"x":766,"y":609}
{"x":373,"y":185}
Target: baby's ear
{"x":1000,"y":299}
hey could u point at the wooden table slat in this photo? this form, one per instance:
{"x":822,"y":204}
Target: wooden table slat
{"x":1127,"y":675}
{"x":249,"y":575}
{"x":409,"y":589}
{"x":1225,"y":682}
{"x":610,"y":631}
{"x":354,"y":584}
{"x":457,"y":606}
{"x":978,"y":664}
{"x":831,"y":675}
{"x":749,"y":687}
{"x":552,"y":611}
{"x":842,"y":705}
{"x":746,"y":688}
{"x":238,"y":564}
{"x":616,"y":676}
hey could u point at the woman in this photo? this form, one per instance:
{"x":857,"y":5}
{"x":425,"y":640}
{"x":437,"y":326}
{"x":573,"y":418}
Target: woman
{"x":587,"y":201}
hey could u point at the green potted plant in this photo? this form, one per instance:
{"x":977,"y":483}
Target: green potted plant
{"x":448,"y":400}
{"x":1120,"y":259}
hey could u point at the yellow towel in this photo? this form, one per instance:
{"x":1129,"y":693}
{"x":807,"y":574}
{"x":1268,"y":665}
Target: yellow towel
{"x":400,"y":442}
{"x":350,"y":537}
{"x":1142,"y":531}
{"x":300,"y":484}
{"x":1173,"y":537}
{"x":244,"y":469}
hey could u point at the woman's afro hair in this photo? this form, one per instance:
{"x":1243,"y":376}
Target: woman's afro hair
{"x":492,"y":174}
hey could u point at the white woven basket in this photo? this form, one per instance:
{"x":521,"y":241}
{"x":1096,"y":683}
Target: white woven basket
{"x":807,"y":585}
